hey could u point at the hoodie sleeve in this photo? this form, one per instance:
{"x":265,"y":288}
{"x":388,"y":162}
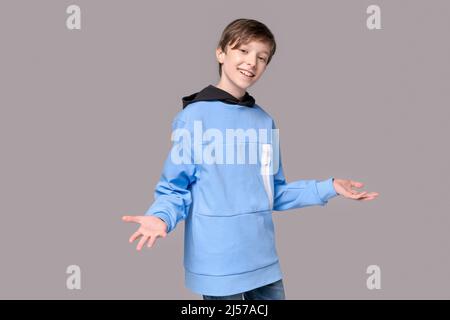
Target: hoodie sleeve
{"x":173,"y":193}
{"x":300,"y":193}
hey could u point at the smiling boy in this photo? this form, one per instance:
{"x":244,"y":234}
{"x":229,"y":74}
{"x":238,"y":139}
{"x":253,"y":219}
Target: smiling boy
{"x":229,"y":244}
{"x":242,"y":64}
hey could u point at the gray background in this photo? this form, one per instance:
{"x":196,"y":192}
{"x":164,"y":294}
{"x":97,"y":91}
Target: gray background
{"x":85,"y":128}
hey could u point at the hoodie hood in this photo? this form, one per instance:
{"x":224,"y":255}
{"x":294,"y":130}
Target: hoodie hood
{"x":211,"y":93}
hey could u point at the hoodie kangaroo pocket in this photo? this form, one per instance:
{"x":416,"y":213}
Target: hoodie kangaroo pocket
{"x":222,"y":245}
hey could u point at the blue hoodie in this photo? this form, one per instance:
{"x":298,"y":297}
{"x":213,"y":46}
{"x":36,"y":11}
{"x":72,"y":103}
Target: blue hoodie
{"x":213,"y":180}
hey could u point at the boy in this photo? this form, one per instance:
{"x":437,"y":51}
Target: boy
{"x":229,"y":245}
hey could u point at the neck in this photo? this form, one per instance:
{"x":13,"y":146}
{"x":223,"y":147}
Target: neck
{"x":236,"y":92}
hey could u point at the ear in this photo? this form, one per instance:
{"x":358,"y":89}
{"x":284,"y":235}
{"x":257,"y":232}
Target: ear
{"x":220,"y":55}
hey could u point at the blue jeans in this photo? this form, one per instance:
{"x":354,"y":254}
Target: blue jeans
{"x":273,"y":291}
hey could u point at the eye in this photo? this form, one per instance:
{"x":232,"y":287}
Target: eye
{"x":243,"y":50}
{"x":263,"y":59}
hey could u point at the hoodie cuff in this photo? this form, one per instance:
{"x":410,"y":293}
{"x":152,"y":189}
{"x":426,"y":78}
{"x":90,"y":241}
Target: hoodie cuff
{"x":326,"y":190}
{"x":164,"y":217}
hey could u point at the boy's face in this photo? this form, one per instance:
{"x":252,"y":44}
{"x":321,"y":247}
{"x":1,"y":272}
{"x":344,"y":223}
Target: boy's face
{"x":243,"y":66}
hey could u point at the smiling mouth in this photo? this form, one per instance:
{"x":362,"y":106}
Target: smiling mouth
{"x":246,"y":74}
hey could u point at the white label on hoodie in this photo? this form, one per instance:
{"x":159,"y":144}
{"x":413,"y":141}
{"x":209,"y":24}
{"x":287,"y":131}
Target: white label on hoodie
{"x":266,"y":159}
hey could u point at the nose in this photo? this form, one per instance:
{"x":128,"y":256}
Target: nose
{"x":251,"y":61}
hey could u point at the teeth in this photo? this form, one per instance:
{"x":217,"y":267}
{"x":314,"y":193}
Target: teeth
{"x":246,"y":73}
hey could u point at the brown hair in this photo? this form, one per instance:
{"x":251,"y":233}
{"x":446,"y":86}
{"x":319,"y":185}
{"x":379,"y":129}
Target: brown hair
{"x":243,"y":31}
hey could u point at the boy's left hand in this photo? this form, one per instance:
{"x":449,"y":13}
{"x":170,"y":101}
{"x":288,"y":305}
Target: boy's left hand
{"x":344,"y":187}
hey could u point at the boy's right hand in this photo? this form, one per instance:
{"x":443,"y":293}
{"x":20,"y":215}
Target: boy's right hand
{"x":151,"y":228}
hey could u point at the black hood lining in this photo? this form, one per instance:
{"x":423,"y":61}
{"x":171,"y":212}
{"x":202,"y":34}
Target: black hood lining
{"x":211,"y":93}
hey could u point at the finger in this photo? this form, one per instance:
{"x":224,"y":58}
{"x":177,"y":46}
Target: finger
{"x":357,"y":192}
{"x":131,"y":219}
{"x":135,"y":235}
{"x":151,"y":241}
{"x":142,"y":242}
{"x":367,"y":198}
{"x":356,"y":195}
{"x":370,"y":196}
{"x":361,"y":195}
{"x":356,"y":184}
